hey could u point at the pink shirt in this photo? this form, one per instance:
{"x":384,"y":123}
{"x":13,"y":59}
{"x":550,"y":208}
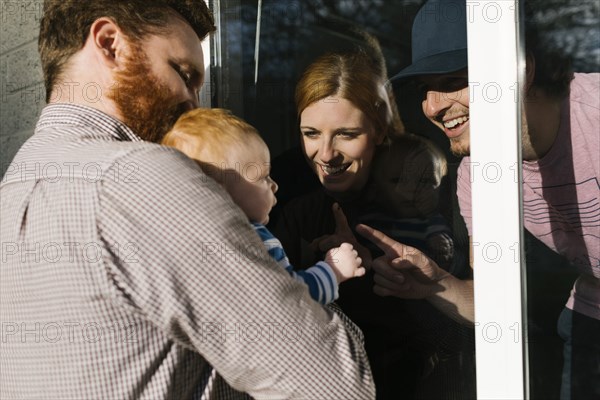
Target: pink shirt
{"x":561,"y":192}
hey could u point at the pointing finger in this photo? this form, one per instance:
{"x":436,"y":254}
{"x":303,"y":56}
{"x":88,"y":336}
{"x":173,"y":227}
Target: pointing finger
{"x":390,"y":247}
{"x":341,"y":222}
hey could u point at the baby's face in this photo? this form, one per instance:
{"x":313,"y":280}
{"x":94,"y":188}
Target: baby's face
{"x":395,"y":189}
{"x":252,"y":189}
{"x":404,"y":185}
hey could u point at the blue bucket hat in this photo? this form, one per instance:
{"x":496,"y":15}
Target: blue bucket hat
{"x":439,"y":39}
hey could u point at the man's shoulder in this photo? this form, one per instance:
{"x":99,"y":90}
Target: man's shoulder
{"x":585,"y":113}
{"x":464,"y":167}
{"x":86,"y":155}
{"x":159,"y":167}
{"x":587,"y":80}
{"x":151,"y":155}
{"x":585,"y":88}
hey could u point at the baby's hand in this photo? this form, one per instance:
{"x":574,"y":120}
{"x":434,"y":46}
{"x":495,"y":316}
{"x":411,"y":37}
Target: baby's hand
{"x":343,"y":233}
{"x":345,"y":262}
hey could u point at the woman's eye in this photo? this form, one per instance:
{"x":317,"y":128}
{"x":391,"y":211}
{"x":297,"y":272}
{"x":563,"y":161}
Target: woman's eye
{"x":310,"y":134}
{"x":348,"y":135}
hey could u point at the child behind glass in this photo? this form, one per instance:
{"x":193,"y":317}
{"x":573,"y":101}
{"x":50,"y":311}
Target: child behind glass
{"x":232,"y":152}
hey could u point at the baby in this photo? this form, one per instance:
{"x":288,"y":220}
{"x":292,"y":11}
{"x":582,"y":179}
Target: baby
{"x":232,"y":152}
{"x":404,"y":193}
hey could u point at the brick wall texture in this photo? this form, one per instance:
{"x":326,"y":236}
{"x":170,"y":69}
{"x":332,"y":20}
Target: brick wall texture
{"x":22,"y":94}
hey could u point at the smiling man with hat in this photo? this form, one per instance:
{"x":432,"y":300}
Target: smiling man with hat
{"x":560,"y":142}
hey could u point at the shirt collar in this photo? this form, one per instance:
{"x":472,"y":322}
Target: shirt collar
{"x":76,"y":114}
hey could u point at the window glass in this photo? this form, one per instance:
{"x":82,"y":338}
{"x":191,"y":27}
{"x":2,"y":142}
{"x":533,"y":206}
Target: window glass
{"x":415,"y":350}
{"x":413,"y":356}
{"x":561,"y":206}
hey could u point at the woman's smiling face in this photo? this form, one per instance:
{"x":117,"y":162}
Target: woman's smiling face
{"x":339,"y":142}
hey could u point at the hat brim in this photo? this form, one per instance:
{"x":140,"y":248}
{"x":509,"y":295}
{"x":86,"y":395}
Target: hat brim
{"x":442,"y":63}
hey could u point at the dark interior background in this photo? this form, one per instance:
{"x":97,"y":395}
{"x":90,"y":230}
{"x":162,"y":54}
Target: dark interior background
{"x":293,"y":33}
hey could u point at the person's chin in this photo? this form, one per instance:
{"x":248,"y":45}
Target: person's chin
{"x":460,"y":148}
{"x":336,"y":187}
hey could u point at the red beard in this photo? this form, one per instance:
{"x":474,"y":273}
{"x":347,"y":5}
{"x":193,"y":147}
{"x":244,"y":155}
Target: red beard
{"x":147,"y":106}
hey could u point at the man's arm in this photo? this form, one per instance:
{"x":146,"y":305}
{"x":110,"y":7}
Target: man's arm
{"x":201,"y":274}
{"x":407,"y":273}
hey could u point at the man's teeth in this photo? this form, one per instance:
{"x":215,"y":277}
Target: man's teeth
{"x":334,"y":170}
{"x":453,"y":122}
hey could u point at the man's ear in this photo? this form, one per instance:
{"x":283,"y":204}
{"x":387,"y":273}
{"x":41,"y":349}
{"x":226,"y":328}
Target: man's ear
{"x":529,"y":71}
{"x":108,"y":41}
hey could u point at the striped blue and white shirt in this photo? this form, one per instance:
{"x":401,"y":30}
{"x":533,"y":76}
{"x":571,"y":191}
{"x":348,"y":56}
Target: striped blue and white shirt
{"x":320,"y":278}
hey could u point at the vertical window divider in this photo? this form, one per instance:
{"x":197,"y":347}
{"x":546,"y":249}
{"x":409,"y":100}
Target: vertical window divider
{"x":496,"y":64}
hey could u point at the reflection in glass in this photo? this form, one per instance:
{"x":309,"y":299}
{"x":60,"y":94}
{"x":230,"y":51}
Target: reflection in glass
{"x":295,"y":33}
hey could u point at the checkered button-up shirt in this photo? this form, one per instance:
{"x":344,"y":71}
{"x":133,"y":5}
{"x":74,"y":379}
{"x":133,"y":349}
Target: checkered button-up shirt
{"x":127,"y":273}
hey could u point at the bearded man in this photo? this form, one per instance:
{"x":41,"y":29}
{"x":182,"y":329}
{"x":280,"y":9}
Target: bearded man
{"x":127,"y":272}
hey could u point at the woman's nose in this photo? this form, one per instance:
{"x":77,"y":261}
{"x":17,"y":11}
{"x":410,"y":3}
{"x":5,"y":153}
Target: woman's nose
{"x":327,"y":152}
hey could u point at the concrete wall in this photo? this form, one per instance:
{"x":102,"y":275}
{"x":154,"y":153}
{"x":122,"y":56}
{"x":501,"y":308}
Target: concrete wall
{"x":22,"y":94}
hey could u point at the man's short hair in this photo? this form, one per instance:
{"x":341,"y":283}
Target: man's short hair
{"x":65,"y":25}
{"x":553,"y":66}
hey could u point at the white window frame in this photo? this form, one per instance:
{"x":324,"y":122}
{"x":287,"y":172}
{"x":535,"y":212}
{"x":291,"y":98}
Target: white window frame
{"x":208,"y":44}
{"x":496,"y":72}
